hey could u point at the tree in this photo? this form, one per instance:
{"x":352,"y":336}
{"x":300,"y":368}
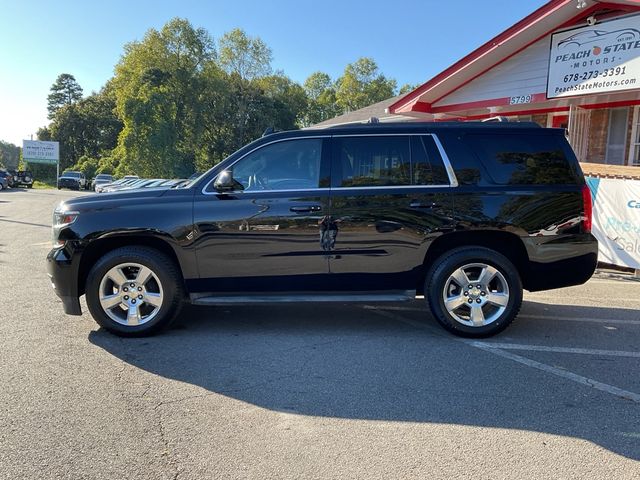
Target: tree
{"x":249,"y":57}
{"x":321,"y":93}
{"x":406,"y":88}
{"x":362,"y":85}
{"x":9,"y":154}
{"x":157,"y":87}
{"x":64,"y":91}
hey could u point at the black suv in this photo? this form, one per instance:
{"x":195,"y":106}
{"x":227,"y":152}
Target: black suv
{"x":467,"y":214}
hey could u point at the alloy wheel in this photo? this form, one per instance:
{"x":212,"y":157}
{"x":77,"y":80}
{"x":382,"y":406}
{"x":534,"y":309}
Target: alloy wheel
{"x":130,"y":294}
{"x":476,"y":294}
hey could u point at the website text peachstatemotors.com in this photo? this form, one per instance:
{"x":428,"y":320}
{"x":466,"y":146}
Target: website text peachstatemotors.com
{"x":595,"y":85}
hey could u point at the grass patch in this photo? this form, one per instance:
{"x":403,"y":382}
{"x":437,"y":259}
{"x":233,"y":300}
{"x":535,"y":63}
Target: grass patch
{"x":44,"y":184}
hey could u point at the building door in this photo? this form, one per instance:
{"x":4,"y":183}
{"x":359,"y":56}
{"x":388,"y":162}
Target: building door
{"x":617,"y":138}
{"x":579,"y":129}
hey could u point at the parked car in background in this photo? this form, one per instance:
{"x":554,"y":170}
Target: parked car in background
{"x":4,"y":183}
{"x":378,"y":212}
{"x":23,"y":178}
{"x":72,"y":180}
{"x":118,"y":185}
{"x":100,"y":180}
{"x":8,"y":177}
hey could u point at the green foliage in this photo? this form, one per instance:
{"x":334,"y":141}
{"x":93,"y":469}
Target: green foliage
{"x":176,"y":105}
{"x":89,"y":128}
{"x":321,"y":94}
{"x":9,"y":155}
{"x":64,"y":91}
{"x":248,"y":57}
{"x":406,"y":88}
{"x":87,"y":165}
{"x":361,"y":85}
{"x":157,"y":86}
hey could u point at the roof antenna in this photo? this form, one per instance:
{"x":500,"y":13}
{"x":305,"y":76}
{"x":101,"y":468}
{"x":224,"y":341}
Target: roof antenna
{"x":373,"y":120}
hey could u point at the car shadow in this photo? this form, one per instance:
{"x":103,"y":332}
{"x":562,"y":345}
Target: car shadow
{"x":349,"y":362}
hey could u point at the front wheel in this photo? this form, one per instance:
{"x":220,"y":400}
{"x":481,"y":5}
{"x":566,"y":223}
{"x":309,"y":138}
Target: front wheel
{"x":134,"y":291}
{"x":474,"y":291}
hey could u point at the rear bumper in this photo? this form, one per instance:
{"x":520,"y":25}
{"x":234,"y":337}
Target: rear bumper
{"x":63,"y":273}
{"x":561,"y":262}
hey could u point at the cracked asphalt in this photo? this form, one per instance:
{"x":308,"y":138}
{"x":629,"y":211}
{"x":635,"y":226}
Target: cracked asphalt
{"x":311,"y":391}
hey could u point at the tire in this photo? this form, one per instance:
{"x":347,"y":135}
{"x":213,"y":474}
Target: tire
{"x":30,"y":186}
{"x":484,"y":310}
{"x":162,"y":291}
{"x":1,"y":187}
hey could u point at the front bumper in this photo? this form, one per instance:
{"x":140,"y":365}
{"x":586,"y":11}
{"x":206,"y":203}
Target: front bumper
{"x":63,"y":273}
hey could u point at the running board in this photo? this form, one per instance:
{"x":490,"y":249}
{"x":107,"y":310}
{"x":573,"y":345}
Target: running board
{"x":386,"y":296}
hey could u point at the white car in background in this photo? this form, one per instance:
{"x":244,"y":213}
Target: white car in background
{"x":101,"y":180}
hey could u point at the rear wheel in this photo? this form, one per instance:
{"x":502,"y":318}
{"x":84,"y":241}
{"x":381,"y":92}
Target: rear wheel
{"x":474,"y":291}
{"x":134,"y":291}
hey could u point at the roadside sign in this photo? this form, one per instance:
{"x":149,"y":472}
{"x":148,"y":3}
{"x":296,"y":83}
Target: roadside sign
{"x":36,"y":151}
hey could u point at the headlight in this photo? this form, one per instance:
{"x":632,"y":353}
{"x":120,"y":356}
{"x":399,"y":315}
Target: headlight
{"x":62,"y":217}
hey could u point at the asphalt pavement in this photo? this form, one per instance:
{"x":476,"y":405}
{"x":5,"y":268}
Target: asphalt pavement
{"x":310,"y":391}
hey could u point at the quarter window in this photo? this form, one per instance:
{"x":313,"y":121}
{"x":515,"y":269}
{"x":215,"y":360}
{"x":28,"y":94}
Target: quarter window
{"x":515,"y":159}
{"x":287,"y":165}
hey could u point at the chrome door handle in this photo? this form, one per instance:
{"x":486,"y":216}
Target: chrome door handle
{"x":306,"y":209}
{"x":416,"y":204}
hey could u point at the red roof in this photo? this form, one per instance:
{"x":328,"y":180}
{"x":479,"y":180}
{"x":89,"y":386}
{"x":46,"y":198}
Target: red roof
{"x":554,"y":15}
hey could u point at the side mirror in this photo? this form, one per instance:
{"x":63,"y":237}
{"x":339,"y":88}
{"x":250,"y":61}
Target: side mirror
{"x":225,"y":182}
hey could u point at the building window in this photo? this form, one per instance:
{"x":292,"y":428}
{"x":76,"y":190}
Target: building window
{"x":617,"y":138}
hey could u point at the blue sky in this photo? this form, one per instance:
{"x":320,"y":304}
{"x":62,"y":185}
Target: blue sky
{"x":411,"y":40}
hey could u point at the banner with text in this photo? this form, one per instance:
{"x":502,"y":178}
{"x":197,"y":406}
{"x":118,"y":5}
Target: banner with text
{"x":602,"y":58}
{"x":36,"y":151}
{"x":616,"y":220}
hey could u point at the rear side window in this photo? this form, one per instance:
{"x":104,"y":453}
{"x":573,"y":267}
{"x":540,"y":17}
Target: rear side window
{"x":524,"y":159}
{"x":370,"y":161}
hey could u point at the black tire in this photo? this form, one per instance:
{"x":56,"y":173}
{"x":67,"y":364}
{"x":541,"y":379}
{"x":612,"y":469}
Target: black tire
{"x":168,"y":275}
{"x":439,"y":277}
{"x":30,"y":186}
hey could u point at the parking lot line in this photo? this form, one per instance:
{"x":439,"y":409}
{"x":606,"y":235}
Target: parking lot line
{"x":574,"y":377}
{"x":397,"y":308}
{"x":490,"y":348}
{"x":543,"y":348}
{"x":579,"y":319}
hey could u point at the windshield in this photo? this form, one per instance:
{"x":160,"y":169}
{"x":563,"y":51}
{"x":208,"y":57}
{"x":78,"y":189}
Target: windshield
{"x":104,"y":177}
{"x":71,"y":174}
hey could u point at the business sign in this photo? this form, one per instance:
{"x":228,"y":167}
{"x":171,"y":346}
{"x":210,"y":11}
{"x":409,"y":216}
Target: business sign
{"x":602,"y":58}
{"x":616,"y":220}
{"x":35,"y":151}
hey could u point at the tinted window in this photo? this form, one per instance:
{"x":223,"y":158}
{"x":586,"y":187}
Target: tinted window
{"x":426,"y":162}
{"x":373,"y":161}
{"x":388,"y":161}
{"x":518,"y":159}
{"x":288,"y":165}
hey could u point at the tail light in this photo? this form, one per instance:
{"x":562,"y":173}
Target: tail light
{"x":588,"y":208}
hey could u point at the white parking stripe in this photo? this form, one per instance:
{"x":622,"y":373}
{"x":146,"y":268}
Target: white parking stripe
{"x":543,"y":348}
{"x":589,"y":382}
{"x":578,"y":319}
{"x":522,"y":315}
{"x":574,"y":377}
